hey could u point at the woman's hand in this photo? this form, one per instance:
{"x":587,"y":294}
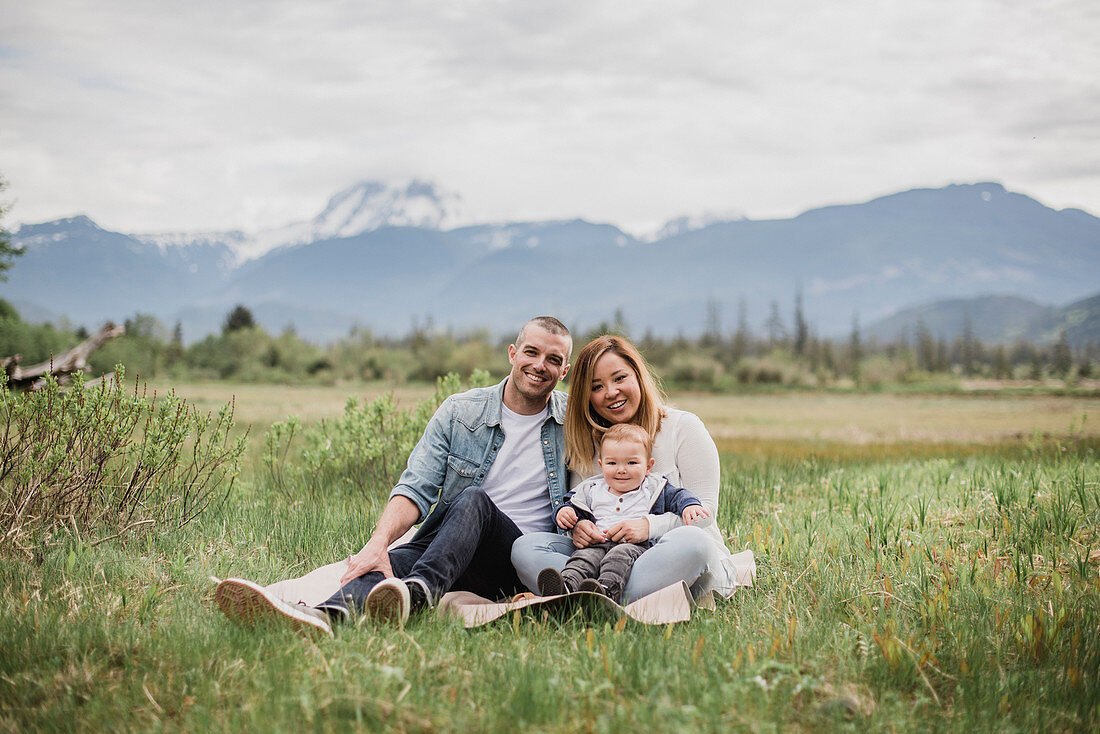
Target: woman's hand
{"x":567,"y":517}
{"x":629,"y":531}
{"x":694,"y":514}
{"x":585,"y":533}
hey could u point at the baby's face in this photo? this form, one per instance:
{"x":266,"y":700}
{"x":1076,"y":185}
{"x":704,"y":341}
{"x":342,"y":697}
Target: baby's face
{"x":624,"y":465}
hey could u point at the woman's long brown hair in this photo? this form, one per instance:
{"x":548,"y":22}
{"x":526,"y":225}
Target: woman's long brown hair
{"x":583,"y":425}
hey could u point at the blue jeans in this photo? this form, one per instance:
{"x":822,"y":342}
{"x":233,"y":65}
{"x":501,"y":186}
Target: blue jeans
{"x":467,"y":551}
{"x":678,"y":555}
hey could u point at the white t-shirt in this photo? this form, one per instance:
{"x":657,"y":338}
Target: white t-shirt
{"x":516,"y":482}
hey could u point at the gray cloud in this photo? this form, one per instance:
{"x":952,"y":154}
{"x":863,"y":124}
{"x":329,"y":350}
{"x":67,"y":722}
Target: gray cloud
{"x":209,"y":114}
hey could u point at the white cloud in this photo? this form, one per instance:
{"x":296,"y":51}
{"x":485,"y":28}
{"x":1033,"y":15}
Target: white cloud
{"x":212,"y":115}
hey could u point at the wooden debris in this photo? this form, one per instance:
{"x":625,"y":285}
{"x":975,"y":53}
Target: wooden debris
{"x":61,"y":366}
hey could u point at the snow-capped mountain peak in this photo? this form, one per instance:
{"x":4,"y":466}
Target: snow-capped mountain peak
{"x":369,"y":205}
{"x":364,"y":207}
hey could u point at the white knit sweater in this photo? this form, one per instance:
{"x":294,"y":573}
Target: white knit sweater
{"x":684,"y":452}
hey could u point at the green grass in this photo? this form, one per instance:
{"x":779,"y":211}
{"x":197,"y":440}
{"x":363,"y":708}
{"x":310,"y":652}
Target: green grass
{"x":953,"y":587}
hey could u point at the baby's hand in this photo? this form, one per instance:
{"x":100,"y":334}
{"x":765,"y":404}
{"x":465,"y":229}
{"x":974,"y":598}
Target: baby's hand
{"x":694,"y":514}
{"x":567,"y":518}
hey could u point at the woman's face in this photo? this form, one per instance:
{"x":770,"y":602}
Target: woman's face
{"x":616,"y":395}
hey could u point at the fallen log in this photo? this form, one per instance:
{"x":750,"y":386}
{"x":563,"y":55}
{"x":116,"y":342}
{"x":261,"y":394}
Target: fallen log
{"x":61,"y":366}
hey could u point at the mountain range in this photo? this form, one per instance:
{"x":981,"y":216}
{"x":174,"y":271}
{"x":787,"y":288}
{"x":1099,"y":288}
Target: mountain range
{"x":384,"y":257}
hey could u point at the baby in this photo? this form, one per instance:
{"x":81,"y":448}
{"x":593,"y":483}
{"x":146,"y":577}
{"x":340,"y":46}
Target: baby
{"x":625,"y":491}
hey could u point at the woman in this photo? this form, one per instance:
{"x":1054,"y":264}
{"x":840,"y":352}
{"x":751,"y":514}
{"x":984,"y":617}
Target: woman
{"x":611,"y":383}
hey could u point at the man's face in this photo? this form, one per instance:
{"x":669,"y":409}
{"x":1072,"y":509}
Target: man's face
{"x":538,"y":363}
{"x":624,"y":465}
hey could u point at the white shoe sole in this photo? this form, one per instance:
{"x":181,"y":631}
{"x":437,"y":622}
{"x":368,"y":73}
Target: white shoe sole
{"x":248,"y":604}
{"x":389,"y":601}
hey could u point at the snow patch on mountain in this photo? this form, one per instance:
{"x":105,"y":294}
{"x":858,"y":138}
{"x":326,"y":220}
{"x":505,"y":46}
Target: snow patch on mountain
{"x":369,"y":205}
{"x":232,"y":239}
{"x":691,"y":223}
{"x":362,"y":207}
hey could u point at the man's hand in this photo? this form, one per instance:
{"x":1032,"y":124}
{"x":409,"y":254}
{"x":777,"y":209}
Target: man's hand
{"x":567,"y":517}
{"x":629,"y":531}
{"x":398,"y":516}
{"x":694,"y":514}
{"x":371,"y":558}
{"x":585,"y":533}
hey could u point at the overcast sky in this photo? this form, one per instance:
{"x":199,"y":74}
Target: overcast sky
{"x":208,"y":114}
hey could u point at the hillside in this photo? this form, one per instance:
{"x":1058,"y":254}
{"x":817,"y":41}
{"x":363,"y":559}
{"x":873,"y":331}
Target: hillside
{"x":874,"y":259}
{"x":995,"y":320}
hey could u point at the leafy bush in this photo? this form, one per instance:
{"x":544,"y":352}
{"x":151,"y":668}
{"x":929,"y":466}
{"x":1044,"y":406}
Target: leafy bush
{"x":103,"y":458}
{"x":365,"y":449}
{"x":773,"y":370}
{"x":878,"y":370}
{"x":141,"y":349}
{"x":34,"y":342}
{"x":696,"y":370}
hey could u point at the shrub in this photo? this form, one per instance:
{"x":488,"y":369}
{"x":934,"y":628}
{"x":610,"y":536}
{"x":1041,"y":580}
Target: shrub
{"x":365,"y":449}
{"x":34,"y":342}
{"x":694,"y":370}
{"x":103,"y":458}
{"x":773,"y":370}
{"x":878,"y":370}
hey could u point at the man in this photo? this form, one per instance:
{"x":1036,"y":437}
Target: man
{"x":489,"y":467}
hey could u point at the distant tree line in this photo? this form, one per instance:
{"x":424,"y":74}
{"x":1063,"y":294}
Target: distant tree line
{"x":785,"y":352}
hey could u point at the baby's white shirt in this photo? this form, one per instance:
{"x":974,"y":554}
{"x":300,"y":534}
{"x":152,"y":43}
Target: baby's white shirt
{"x":610,"y":509}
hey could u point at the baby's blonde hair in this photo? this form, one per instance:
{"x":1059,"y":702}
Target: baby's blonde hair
{"x":628,"y":432}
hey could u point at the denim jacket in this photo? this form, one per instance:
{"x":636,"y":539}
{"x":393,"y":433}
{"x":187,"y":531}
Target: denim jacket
{"x":460,"y":444}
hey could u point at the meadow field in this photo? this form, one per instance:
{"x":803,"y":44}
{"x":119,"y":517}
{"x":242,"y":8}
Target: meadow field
{"x":924,"y":562}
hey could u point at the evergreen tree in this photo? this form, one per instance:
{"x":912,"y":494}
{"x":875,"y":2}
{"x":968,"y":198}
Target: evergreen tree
{"x":620,"y":327}
{"x":8,"y":252}
{"x":801,"y":329}
{"x":855,"y":349}
{"x":174,"y":352}
{"x":239,"y":318}
{"x":828,"y":361}
{"x":1062,"y":361}
{"x":926,"y":348}
{"x":742,"y":335}
{"x":942,"y":361}
{"x":1036,"y":372}
{"x":774,"y":326}
{"x":1002,"y":368}
{"x":969,"y":347}
{"x":712,"y":328}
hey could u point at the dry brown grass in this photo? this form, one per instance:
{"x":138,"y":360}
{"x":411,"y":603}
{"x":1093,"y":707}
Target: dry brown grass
{"x":915,"y":424}
{"x":883,"y":418}
{"x":262,"y":405}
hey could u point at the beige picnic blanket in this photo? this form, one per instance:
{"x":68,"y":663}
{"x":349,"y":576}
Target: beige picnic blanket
{"x":670,"y":604}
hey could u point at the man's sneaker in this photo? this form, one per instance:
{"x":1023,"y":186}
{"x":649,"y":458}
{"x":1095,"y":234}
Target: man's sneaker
{"x":420,"y":596}
{"x":389,"y":601}
{"x":334,"y":612}
{"x":551,"y":583}
{"x":247,"y":604}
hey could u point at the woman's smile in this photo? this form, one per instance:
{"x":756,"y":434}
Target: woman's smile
{"x":615,"y":394}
